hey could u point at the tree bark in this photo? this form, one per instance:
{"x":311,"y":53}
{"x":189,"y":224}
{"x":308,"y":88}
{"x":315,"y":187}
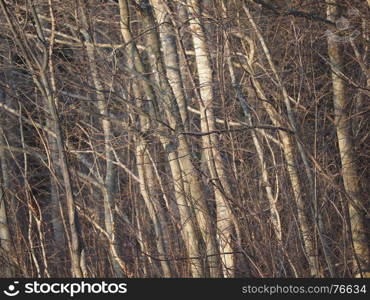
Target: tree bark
{"x":101,"y":104}
{"x":5,"y":236}
{"x":359,"y":223}
{"x":190,"y":232}
{"x":222,"y":190}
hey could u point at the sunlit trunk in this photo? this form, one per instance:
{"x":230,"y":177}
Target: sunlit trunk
{"x":351,"y":179}
{"x":222,"y":191}
{"x":189,"y":233}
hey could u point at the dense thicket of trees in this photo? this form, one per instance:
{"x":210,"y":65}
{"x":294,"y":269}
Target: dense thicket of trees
{"x":188,"y":138}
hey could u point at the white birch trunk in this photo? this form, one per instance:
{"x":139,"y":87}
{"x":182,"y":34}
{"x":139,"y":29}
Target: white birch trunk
{"x":351,"y":179}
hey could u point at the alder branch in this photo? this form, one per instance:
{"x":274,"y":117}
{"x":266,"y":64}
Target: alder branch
{"x":221,"y":131}
{"x":292,"y":12}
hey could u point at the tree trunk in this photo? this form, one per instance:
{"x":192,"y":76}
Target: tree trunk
{"x":37,"y":65}
{"x":352,"y":181}
{"x":110,"y":172}
{"x":189,"y":233}
{"x":5,"y":236}
{"x":155,"y":210}
{"x":222,"y":191}
{"x":170,"y":56}
{"x":174,"y":119}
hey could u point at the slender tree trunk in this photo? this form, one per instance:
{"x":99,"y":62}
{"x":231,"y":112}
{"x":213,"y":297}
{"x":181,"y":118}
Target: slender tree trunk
{"x":170,"y":55}
{"x":5,"y":236}
{"x":56,"y":211}
{"x":76,"y":248}
{"x":102,"y":106}
{"x":152,"y":203}
{"x":222,"y":191}
{"x":191,"y":181}
{"x":303,"y":209}
{"x":149,"y":193}
{"x":174,"y":119}
{"x":38,"y":65}
{"x":352,"y":181}
{"x":313,"y":202}
{"x":275,"y":216}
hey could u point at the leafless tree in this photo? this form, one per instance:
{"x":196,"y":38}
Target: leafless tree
{"x":155,"y":138}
